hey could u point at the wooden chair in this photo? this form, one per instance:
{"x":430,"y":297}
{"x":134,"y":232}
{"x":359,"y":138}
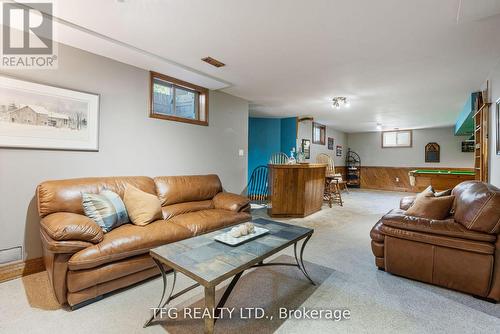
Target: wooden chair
{"x":332,"y":191}
{"x":323,"y":158}
{"x":279,"y":158}
{"x":258,"y":187}
{"x":333,"y":181}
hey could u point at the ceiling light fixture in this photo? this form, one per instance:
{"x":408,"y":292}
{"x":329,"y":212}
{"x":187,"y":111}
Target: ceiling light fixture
{"x":339,"y":101}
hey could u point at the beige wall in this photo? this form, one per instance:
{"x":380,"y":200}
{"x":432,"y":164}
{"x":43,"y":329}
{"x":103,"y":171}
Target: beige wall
{"x":494,"y":79}
{"x":305,"y":132}
{"x":131,"y":143}
{"x":368,"y":146}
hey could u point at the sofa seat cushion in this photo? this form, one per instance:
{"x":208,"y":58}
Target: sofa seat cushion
{"x":81,"y":279}
{"x":447,"y":227}
{"x":126,"y":241}
{"x":208,"y":220}
{"x":439,"y":240}
{"x":170,"y":211}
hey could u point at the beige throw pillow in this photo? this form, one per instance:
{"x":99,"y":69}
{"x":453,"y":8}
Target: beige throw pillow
{"x":431,"y":207}
{"x":142,"y":207}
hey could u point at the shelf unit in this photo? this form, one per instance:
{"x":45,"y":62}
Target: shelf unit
{"x":481,"y":126}
{"x":353,"y":169}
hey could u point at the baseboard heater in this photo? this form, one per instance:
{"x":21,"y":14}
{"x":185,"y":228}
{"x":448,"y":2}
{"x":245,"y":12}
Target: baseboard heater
{"x":9,"y":255}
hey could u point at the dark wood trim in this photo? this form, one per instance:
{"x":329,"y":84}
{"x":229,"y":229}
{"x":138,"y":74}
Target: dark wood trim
{"x":322,"y":133}
{"x":498,"y":126}
{"x":21,"y":268}
{"x":382,"y":139}
{"x":202,"y":101}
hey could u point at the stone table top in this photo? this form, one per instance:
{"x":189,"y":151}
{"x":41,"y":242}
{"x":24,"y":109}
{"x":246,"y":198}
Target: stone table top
{"x":210,"y":262}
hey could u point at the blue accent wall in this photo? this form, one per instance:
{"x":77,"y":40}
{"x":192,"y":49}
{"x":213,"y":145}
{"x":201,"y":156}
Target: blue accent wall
{"x":267,"y":136}
{"x":263,"y":140}
{"x":288,"y":134}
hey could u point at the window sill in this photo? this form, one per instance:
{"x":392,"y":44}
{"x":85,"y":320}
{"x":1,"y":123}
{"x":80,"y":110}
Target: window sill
{"x":179,"y":119}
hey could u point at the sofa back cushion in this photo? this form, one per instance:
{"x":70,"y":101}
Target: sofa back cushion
{"x":477,"y":206}
{"x":66,"y":195}
{"x":180,"y":189}
{"x":172,"y":210}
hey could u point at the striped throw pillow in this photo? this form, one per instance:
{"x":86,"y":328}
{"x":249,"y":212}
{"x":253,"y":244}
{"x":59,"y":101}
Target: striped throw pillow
{"x":106,"y":209}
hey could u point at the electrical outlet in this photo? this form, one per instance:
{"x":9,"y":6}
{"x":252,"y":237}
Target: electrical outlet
{"x":397,"y":179}
{"x":241,"y":152}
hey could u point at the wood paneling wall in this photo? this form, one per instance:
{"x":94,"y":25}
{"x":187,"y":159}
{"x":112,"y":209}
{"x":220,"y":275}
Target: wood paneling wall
{"x":391,"y":178}
{"x":342,"y":170}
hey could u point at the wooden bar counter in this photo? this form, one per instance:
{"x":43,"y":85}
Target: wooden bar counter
{"x":296,"y":190}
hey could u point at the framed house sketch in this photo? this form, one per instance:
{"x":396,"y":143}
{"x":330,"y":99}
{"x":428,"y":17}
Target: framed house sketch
{"x":39,"y":116}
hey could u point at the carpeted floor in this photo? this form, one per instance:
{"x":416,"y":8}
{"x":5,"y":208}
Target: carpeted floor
{"x":338,"y":257}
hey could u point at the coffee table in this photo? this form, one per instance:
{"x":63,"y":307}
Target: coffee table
{"x":210,"y":262}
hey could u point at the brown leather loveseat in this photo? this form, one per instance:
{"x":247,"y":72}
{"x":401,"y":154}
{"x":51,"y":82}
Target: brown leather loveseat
{"x":84,"y":264}
{"x":461,"y":252}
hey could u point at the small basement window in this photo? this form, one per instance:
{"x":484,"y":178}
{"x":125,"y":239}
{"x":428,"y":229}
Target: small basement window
{"x":176,"y":100}
{"x":318,"y":133}
{"x":400,"y":138}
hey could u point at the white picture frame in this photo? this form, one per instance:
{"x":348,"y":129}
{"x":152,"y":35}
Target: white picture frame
{"x":39,"y":116}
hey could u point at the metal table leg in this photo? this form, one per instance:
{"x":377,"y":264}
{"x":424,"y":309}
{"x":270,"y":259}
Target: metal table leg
{"x":300,"y":261}
{"x":160,"y":304}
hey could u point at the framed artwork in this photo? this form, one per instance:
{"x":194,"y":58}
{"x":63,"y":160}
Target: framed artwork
{"x":339,"y":151}
{"x":306,"y":148}
{"x":498,"y":126}
{"x":432,"y":152}
{"x":468,"y":146}
{"x":39,"y":116}
{"x":331,"y":143}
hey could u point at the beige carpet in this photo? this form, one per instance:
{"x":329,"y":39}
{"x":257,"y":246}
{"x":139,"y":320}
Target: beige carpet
{"x":338,"y":255}
{"x":267,"y":288}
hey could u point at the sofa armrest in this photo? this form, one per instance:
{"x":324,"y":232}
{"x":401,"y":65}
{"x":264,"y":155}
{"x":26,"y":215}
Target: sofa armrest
{"x":65,"y":226}
{"x":231,"y":202}
{"x":406,"y":202}
{"x":62,"y":247}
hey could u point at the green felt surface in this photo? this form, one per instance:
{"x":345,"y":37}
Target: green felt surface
{"x":443,"y":171}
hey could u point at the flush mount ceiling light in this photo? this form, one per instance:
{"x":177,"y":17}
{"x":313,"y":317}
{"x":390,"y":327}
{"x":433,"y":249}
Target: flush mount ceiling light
{"x":339,"y":101}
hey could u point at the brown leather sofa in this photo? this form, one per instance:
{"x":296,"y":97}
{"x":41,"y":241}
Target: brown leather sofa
{"x":84,"y":264}
{"x":461,"y":252}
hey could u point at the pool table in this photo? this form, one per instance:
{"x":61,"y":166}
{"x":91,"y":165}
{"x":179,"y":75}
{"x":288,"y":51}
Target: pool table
{"x":440,"y":179}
